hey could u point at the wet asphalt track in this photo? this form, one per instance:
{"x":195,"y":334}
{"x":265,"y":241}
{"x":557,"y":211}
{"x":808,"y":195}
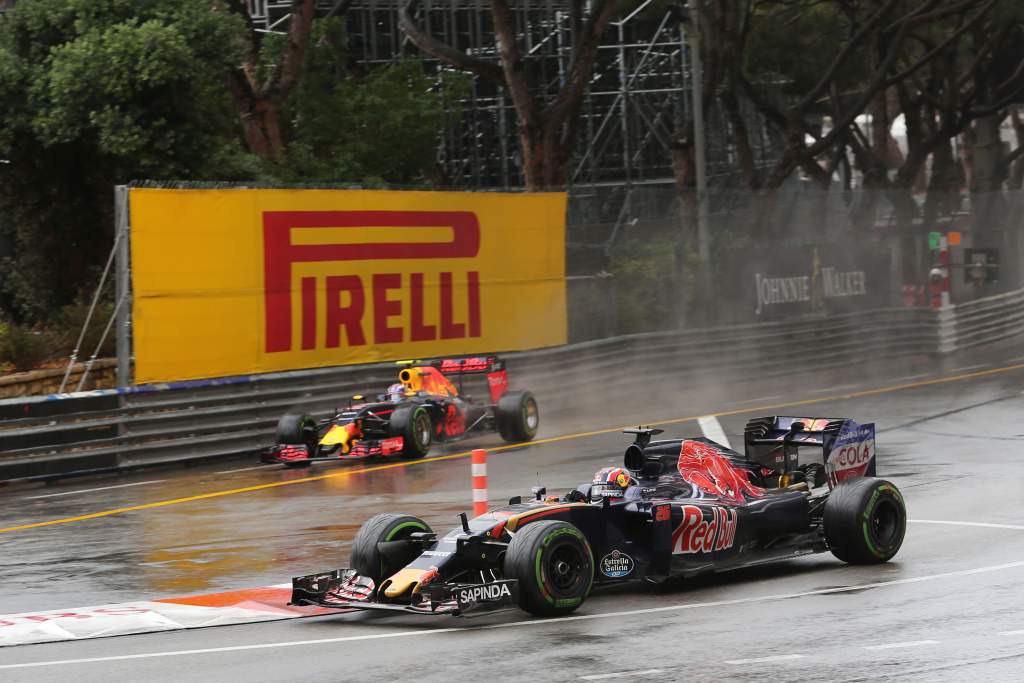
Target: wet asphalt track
{"x":949,"y":607}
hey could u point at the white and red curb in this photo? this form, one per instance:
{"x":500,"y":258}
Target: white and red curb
{"x":247,"y":606}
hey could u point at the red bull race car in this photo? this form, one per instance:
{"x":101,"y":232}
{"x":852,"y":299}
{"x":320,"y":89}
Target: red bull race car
{"x":424,"y":407}
{"x":677,"y":508}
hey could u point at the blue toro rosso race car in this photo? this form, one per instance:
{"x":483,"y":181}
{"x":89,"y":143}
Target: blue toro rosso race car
{"x":677,"y":508}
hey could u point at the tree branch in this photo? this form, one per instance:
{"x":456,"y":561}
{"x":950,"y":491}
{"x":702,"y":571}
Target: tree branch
{"x":446,"y":53}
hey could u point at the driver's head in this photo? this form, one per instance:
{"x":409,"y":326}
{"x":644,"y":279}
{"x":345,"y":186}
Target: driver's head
{"x":610,"y":482}
{"x":396,"y":392}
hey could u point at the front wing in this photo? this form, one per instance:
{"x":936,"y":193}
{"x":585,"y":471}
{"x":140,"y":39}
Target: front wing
{"x":346,"y":589}
{"x":365,"y":448}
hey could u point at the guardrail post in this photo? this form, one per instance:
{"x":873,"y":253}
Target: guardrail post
{"x":124,"y":286}
{"x":947,"y":329}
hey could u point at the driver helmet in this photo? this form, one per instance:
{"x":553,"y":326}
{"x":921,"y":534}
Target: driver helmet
{"x":611,"y":482}
{"x":396,"y":392}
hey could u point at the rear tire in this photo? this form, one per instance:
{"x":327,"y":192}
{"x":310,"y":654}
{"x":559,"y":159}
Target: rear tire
{"x":415,"y":426}
{"x":865,"y":520}
{"x":366,"y":557}
{"x":298,"y":429}
{"x":554,"y":565}
{"x":518,"y":416}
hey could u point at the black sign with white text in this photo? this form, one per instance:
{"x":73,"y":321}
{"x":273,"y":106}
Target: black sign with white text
{"x":779,"y":282}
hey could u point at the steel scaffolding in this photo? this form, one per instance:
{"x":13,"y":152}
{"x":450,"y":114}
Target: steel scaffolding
{"x":637,"y":100}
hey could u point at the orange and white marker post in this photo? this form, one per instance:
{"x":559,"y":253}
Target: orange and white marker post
{"x":479,"y":482}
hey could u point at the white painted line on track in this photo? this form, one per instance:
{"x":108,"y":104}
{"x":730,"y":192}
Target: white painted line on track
{"x":968,"y":368}
{"x":246,"y":469}
{"x":895,"y":646}
{"x":621,"y":674}
{"x":761,"y":660}
{"x":712,"y":429}
{"x":759,"y":399}
{"x":913,"y":377}
{"x":841,"y":388}
{"x":531,"y":622}
{"x":985,"y":525}
{"x":102,"y":488}
{"x":1012,"y":633}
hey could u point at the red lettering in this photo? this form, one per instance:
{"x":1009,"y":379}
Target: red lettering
{"x":684,"y":534}
{"x":474,"y":304}
{"x":694,"y":535}
{"x":4,"y":622}
{"x":349,"y":316}
{"x":279,"y":253}
{"x":384,"y":308}
{"x":308,"y":313}
{"x":713,"y":528}
{"x":419,"y":331}
{"x":449,"y":328}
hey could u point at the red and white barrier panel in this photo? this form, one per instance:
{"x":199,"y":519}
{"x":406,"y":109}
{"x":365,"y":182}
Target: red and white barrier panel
{"x":479,"y":482}
{"x":170,"y":614}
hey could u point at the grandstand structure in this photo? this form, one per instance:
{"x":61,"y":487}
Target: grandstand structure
{"x":637,"y":102}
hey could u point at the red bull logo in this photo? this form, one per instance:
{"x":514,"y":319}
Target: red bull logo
{"x":704,"y":467}
{"x":697,"y":535}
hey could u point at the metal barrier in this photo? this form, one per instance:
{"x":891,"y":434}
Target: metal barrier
{"x":53,"y":436}
{"x":986,"y":320}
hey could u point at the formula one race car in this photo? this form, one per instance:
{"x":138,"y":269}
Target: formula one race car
{"x":678,"y":508}
{"x":424,"y":407}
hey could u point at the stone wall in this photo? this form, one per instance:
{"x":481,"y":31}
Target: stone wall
{"x":40,"y":382}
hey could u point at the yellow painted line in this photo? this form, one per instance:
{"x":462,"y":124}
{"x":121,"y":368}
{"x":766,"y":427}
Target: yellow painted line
{"x":499,"y":449}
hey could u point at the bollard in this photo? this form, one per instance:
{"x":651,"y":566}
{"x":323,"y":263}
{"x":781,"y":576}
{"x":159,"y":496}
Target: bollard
{"x":479,"y":482}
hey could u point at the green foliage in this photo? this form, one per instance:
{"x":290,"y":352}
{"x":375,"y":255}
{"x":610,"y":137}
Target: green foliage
{"x":647,"y":286}
{"x":795,"y":43}
{"x":24,"y":348}
{"x":377,"y":127}
{"x":94,"y":93}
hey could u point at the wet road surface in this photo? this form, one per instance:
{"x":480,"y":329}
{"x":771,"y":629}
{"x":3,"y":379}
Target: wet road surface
{"x":947,"y":608}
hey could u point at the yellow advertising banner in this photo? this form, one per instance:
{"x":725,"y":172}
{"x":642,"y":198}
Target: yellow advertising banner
{"x":231,"y":282}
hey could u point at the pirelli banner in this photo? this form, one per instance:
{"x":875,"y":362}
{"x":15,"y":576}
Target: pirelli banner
{"x":230,"y":282}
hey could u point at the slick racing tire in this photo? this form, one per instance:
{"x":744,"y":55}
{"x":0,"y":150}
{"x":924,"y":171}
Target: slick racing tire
{"x":415,"y":426}
{"x":554,"y":565}
{"x":518,"y":416}
{"x":865,"y":520}
{"x":298,"y":429}
{"x":375,"y":550}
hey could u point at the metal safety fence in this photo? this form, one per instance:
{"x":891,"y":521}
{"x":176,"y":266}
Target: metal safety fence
{"x":110,"y":430}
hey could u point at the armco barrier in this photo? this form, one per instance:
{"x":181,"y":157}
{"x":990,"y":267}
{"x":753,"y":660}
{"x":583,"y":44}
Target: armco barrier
{"x":54,"y":436}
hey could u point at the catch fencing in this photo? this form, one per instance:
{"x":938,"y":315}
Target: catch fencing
{"x":109,"y":430}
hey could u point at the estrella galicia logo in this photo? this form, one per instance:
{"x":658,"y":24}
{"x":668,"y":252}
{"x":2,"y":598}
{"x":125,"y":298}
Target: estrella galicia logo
{"x":617,"y":564}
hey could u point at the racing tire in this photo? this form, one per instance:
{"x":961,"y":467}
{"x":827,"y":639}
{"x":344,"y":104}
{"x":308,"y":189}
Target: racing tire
{"x":518,"y":416}
{"x":416,"y":427}
{"x":554,"y":566}
{"x":865,"y":520}
{"x":367,"y":558}
{"x":298,"y":429}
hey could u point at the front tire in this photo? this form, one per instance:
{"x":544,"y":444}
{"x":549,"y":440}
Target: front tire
{"x":554,"y":565}
{"x":298,"y":429}
{"x":387,"y":527}
{"x":518,"y":416}
{"x":416,"y":427}
{"x":865,"y":520}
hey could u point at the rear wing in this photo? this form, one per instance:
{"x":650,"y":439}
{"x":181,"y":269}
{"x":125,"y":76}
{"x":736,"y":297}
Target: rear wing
{"x":492,"y":366}
{"x":848,"y":448}
{"x":471,"y":365}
